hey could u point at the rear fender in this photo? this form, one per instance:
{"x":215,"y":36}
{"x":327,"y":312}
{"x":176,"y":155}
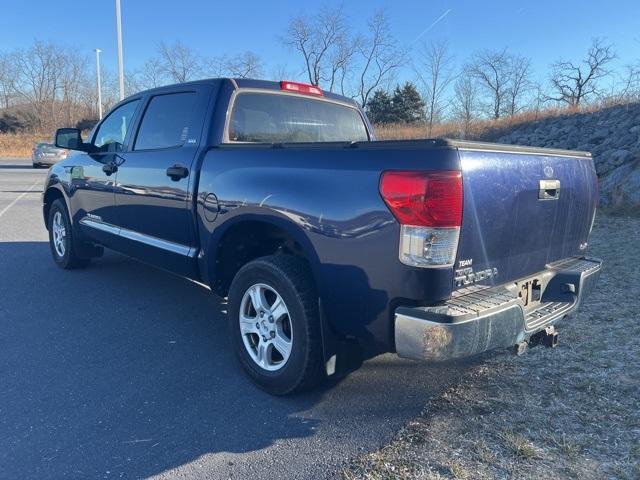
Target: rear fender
{"x":340,"y":355}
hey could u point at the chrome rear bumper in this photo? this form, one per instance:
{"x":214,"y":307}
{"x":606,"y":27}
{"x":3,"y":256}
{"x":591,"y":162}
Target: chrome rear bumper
{"x":479,"y":319}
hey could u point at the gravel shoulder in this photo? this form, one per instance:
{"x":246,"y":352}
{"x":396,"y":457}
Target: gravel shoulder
{"x":570,"y":412}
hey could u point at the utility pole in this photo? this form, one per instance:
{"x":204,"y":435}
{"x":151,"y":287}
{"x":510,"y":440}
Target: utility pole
{"x":120,"y":62}
{"x":98,"y":52}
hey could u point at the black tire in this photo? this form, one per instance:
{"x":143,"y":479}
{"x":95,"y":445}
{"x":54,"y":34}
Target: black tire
{"x":68,"y":258}
{"x":290,"y":277}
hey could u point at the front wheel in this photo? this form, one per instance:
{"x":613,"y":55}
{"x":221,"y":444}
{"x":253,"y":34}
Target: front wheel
{"x":275,"y":325}
{"x":61,"y":238}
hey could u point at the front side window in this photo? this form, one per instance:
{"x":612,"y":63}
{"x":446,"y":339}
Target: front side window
{"x":169,"y":121}
{"x":113,"y":130}
{"x":278,"y":118}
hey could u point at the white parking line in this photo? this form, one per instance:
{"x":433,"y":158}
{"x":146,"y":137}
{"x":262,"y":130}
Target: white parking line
{"x":17,"y":199}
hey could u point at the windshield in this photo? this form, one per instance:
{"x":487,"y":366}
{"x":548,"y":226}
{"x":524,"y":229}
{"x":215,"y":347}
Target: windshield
{"x":275,"y":118}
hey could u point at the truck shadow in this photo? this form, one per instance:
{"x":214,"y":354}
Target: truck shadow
{"x":124,"y":369}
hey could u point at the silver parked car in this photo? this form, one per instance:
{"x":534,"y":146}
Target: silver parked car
{"x":46,"y":154}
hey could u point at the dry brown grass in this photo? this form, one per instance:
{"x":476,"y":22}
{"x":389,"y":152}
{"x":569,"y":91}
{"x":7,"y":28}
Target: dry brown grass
{"x":520,"y":446}
{"x":487,"y":130}
{"x":564,"y":413}
{"x":20,"y":144}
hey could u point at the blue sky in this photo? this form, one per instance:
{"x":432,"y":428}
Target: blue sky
{"x":542,"y":30}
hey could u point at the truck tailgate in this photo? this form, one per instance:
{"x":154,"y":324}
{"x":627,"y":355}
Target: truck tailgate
{"x":522,"y":210}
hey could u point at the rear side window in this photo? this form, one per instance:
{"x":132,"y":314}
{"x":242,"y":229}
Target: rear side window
{"x":169,"y":121}
{"x":275,"y":118}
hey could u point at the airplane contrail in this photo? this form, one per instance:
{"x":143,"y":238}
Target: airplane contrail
{"x":438,"y":20}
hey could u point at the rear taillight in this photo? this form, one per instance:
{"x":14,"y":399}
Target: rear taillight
{"x":301,"y":88}
{"x":428,"y":206}
{"x":428,"y":199}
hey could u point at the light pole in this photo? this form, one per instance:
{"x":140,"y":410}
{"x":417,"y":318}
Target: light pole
{"x":120,"y":63}
{"x":98,"y":52}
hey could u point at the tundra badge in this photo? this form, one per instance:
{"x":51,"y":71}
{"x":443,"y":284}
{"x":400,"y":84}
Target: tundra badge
{"x":466,"y":276}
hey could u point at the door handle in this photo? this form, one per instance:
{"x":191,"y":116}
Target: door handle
{"x":109,"y":168}
{"x":177,"y":172}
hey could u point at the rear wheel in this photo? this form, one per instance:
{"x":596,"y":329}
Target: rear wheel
{"x":61,"y":238}
{"x":275,"y":326}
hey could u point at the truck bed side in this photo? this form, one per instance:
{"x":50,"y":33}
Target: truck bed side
{"x":325,"y":197}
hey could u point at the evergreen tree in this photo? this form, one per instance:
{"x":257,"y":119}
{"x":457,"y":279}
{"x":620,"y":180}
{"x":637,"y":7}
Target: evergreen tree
{"x":408,"y":105}
{"x":380,"y":108}
{"x":404,"y":106}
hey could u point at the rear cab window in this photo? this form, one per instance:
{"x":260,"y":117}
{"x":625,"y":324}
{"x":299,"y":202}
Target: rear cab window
{"x":263,"y":117}
{"x":170,"y":120}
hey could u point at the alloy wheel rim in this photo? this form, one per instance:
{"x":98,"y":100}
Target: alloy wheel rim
{"x":59,"y":234}
{"x":265,"y":326}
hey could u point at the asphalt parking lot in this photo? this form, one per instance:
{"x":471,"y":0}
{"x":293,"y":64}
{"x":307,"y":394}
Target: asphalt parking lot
{"x":123,"y":371}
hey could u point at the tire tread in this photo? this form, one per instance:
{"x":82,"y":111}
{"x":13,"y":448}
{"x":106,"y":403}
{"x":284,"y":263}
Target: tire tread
{"x":73,"y":261}
{"x":296,"y":271}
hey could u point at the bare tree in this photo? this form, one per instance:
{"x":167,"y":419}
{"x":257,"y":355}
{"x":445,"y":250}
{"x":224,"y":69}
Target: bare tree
{"x":539,"y":98}
{"x":465,"y":100}
{"x":573,"y":83}
{"x":111,"y":89}
{"x":436,"y":73}
{"x":627,"y":86}
{"x":51,"y":83}
{"x":38,"y":79}
{"x":178,"y":62}
{"x":323,"y":42}
{"x":352,"y":64}
{"x":299,"y":35}
{"x":380,"y":56}
{"x":282,"y":72}
{"x":339,"y":63}
{"x":152,"y":73}
{"x":215,"y":66}
{"x":491,"y":70}
{"x":73,"y":81}
{"x":245,"y":65}
{"x":519,"y":73}
{"x":7,"y":80}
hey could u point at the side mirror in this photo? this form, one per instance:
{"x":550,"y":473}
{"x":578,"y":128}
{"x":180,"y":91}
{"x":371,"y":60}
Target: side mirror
{"x":70,"y":139}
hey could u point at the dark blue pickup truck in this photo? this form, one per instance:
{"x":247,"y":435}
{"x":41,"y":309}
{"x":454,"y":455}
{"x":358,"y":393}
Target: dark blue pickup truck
{"x":331,"y":247}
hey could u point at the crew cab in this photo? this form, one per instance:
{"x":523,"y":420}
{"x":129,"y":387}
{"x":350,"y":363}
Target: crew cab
{"x":331,"y":247}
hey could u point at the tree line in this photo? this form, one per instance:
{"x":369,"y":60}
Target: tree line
{"x":49,"y":85}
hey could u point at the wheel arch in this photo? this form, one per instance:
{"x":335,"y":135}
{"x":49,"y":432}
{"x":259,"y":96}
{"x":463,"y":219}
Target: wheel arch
{"x":51,"y":194}
{"x":247,"y":237}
